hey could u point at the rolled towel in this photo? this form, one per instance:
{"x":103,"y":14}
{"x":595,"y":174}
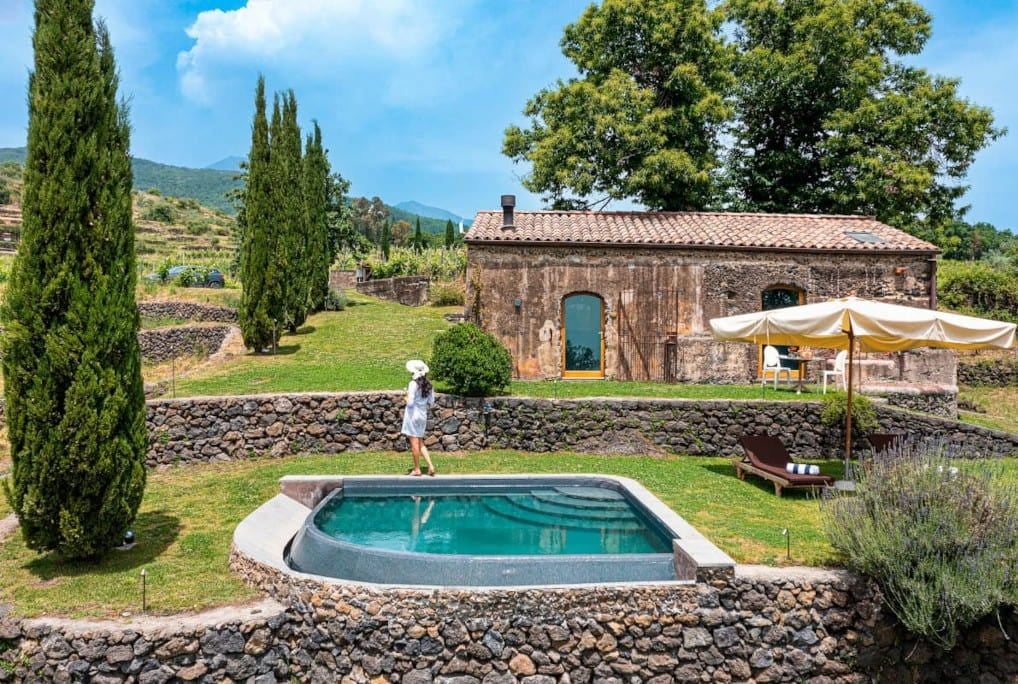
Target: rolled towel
{"x":802,"y":469}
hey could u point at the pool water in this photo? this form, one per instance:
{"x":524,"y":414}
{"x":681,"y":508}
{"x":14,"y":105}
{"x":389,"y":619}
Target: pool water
{"x":516,"y":521}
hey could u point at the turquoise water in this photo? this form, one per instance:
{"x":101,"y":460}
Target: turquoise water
{"x":518,"y":522}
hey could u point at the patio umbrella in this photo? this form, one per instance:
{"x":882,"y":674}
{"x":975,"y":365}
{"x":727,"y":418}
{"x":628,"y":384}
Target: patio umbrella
{"x":850,"y":323}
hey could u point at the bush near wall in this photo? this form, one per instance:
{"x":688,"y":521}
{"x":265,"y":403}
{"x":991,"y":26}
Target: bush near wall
{"x":979,"y":289}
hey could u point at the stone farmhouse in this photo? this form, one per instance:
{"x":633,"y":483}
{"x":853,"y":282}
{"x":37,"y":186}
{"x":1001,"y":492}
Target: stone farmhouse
{"x":628,"y":295}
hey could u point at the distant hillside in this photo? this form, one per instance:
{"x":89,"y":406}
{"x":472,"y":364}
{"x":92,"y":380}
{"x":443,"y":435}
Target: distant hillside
{"x":228,"y":164}
{"x":208,"y":186}
{"x":424,"y":210}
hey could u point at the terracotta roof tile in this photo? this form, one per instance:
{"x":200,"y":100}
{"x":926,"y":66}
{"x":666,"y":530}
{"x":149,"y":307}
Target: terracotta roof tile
{"x":697,"y":229}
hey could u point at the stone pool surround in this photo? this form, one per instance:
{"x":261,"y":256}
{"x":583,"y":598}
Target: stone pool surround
{"x":265,"y":534}
{"x":226,"y":428}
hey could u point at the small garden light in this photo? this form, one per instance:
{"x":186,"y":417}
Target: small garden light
{"x":144,"y":576}
{"x":788,"y":543}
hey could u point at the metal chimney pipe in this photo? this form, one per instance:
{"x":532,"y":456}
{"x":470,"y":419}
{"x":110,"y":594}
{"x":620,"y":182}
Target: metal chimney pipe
{"x":508,"y":203}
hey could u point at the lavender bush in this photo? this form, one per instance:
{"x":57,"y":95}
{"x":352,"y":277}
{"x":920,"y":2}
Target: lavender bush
{"x":939,"y":536}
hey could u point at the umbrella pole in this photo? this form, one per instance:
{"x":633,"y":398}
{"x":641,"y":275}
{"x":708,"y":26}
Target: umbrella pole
{"x":848,"y":405}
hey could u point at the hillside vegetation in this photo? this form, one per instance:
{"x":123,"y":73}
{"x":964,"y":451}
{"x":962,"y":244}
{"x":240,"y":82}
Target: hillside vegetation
{"x":208,"y":186}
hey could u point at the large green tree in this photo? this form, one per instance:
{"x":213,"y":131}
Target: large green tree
{"x":316,"y":205}
{"x":292,"y":258}
{"x":75,"y":403}
{"x":261,"y":301}
{"x":450,"y":234}
{"x":831,"y":119}
{"x":643,"y":118}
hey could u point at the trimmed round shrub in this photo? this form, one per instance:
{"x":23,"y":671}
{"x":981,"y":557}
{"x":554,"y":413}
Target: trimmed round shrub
{"x":864,"y":414}
{"x":472,"y":362}
{"x":938,"y":535}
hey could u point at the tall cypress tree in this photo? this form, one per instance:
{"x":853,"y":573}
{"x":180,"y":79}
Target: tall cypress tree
{"x":75,"y":402}
{"x":258,"y":249}
{"x":450,"y":234}
{"x":292,"y":224}
{"x":316,"y":189}
{"x":386,"y":240}
{"x":418,"y":237}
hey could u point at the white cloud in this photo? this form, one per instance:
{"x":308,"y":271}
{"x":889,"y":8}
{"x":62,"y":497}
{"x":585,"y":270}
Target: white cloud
{"x":316,"y":36}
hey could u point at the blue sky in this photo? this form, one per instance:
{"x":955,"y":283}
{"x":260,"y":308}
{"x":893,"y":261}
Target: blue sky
{"x":413,"y":95}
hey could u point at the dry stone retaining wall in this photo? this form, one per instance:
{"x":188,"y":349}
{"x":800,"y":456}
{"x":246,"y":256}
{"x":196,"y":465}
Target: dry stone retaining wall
{"x":163,"y":344}
{"x":988,"y":372}
{"x":225,"y":428}
{"x":407,"y":290}
{"x":188,"y":311}
{"x":763,"y":625}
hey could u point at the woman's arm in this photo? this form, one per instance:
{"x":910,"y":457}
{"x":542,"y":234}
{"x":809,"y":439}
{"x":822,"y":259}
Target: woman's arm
{"x":411,"y":392}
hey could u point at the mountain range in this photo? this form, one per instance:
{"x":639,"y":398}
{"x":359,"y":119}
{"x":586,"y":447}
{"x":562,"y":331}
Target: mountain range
{"x":211,"y":185}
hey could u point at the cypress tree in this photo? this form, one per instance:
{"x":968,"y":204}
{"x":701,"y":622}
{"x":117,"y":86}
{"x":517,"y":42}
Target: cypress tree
{"x":316,"y":189}
{"x":386,"y":240}
{"x":450,"y":235}
{"x":75,"y":402}
{"x":418,"y":237}
{"x":258,"y":249}
{"x":287,"y":159}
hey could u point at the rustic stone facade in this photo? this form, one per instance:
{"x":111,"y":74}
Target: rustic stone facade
{"x":163,"y":344}
{"x":406,"y":290}
{"x":762,"y":625}
{"x":226,"y":428}
{"x":188,"y":311}
{"x":658,"y":302}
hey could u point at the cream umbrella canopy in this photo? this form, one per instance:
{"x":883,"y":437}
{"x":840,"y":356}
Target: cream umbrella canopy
{"x":850,"y":323}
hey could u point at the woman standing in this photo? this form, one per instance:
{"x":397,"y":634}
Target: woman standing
{"x":419,"y":396}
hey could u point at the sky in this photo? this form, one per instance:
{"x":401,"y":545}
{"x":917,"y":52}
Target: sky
{"x":413,"y":95}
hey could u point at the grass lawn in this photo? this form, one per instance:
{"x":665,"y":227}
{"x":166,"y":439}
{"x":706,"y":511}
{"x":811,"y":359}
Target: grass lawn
{"x":364,"y":347}
{"x":999,"y":403}
{"x":188,"y":516}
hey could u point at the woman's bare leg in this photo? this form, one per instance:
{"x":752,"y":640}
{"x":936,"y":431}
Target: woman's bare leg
{"x":427,"y":458}
{"x":415,"y":449}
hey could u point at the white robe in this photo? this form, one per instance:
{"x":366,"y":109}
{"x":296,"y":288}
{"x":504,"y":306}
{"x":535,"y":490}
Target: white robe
{"x":415,"y":416}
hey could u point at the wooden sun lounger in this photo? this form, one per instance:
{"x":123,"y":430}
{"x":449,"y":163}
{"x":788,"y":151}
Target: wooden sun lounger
{"x":766,"y":457}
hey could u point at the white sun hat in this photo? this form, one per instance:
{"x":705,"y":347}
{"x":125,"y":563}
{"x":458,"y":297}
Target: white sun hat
{"x":417,"y":368}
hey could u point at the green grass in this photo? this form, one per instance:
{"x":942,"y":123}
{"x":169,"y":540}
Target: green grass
{"x":184,"y":538}
{"x":569,"y":389}
{"x":999,"y":406}
{"x":363,"y":347}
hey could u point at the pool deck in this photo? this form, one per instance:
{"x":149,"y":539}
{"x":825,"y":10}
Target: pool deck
{"x":265,"y":534}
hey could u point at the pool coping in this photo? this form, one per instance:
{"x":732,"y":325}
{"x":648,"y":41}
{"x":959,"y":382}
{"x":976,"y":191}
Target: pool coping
{"x":265,"y":534}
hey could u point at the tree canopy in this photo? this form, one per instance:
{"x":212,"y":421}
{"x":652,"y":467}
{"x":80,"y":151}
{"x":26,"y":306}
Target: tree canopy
{"x":803,"y":106}
{"x":644,"y":117}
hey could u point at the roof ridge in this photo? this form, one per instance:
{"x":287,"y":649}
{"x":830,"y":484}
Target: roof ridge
{"x":587,"y":212}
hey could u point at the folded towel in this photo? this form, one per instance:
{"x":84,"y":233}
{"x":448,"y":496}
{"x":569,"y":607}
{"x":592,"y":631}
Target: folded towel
{"x":802,"y":469}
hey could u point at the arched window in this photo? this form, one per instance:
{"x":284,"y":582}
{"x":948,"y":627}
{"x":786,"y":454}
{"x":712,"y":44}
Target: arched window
{"x":582,"y":336}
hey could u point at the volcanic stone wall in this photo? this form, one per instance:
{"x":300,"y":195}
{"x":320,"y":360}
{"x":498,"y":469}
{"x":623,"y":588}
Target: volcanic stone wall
{"x":988,"y":372}
{"x":406,"y":290}
{"x":225,"y":428}
{"x":163,"y":344}
{"x":187,"y":311}
{"x":654,"y":298}
{"x":763,"y":625}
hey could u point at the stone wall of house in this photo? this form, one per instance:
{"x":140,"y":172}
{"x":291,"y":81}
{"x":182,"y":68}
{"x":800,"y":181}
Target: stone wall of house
{"x":762,"y":625}
{"x":988,"y":372}
{"x":188,"y":311}
{"x":225,"y":428}
{"x":650,"y":294}
{"x":407,"y":290}
{"x":163,"y":344}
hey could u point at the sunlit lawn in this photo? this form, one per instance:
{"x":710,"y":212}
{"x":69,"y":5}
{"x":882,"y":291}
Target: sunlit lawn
{"x":999,"y":403}
{"x":188,"y":516}
{"x":364,"y":347}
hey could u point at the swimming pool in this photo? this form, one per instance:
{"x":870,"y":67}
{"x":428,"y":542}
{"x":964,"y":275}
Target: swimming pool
{"x":490,"y":531}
